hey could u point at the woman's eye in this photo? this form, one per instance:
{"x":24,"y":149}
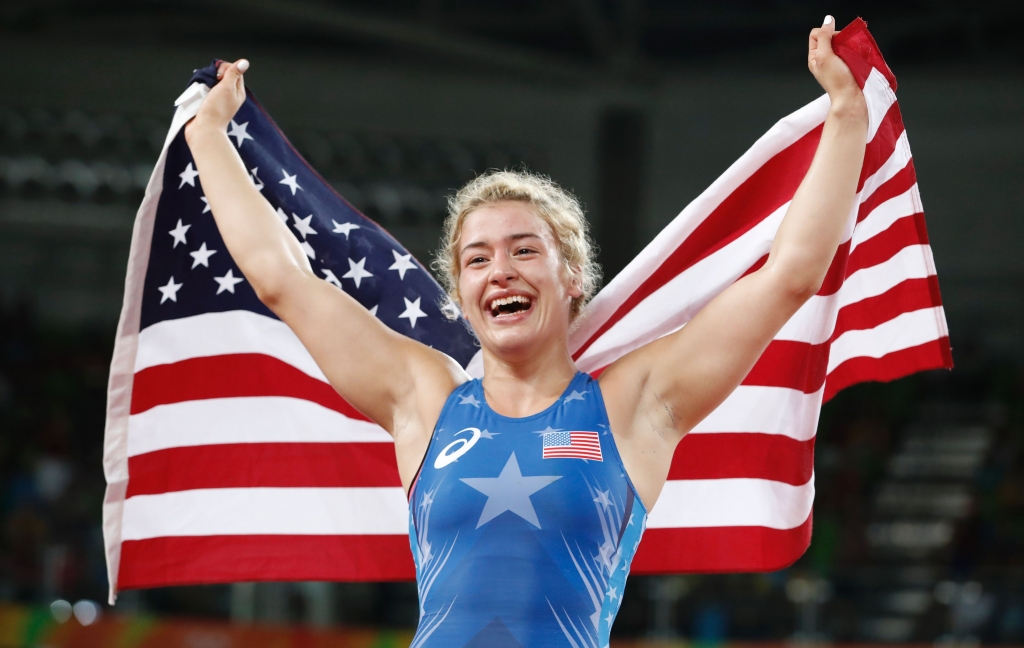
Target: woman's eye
{"x":524,"y":251}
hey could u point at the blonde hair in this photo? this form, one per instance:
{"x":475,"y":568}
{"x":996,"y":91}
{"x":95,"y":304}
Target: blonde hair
{"x":554,"y":205}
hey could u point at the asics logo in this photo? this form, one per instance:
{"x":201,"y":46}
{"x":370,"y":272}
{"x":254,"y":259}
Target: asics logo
{"x":457,"y":448}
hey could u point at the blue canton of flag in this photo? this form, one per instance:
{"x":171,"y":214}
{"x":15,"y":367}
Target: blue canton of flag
{"x":572,"y":445}
{"x":191,"y":273}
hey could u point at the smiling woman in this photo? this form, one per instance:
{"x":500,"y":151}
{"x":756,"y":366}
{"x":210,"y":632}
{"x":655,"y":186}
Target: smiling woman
{"x":523,"y":531}
{"x":555,"y":206}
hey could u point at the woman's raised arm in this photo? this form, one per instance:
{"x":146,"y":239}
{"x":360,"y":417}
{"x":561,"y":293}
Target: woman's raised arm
{"x":394,"y":380}
{"x":662,"y":390}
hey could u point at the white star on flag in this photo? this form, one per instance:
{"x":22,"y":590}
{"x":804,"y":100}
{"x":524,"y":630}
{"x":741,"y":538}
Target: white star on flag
{"x":331,"y":278}
{"x":188,"y":176}
{"x":170,"y":291}
{"x":356,"y":271}
{"x":308,"y":249}
{"x":238,"y":132}
{"x":227,"y":282}
{"x":202,"y":256}
{"x":179,"y":233}
{"x":254,"y":174}
{"x":283,"y":216}
{"x":206,"y":207}
{"x":344,"y":228}
{"x":373,"y":311}
{"x":402,"y":263}
{"x":290,"y":181}
{"x":412,"y":311}
{"x":302,"y":225}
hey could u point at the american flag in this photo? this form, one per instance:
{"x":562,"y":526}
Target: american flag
{"x":228,"y":457}
{"x":563,"y":444}
{"x":741,"y":484}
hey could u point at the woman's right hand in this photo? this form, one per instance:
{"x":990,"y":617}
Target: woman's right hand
{"x":223,"y":101}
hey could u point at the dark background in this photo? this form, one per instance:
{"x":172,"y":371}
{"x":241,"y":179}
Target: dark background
{"x":635,"y":105}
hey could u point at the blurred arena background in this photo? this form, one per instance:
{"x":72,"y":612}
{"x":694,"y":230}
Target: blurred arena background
{"x":636,"y":105}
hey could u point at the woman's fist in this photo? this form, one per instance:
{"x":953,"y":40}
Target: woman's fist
{"x":223,"y":101}
{"x":830,"y":70}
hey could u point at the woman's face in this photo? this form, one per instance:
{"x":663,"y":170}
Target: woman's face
{"x":513,"y":285}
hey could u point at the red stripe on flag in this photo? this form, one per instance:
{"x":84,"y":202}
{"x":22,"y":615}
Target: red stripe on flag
{"x":856,"y":46}
{"x":935,"y":354}
{"x":882,"y":145}
{"x":767,"y":189}
{"x":197,"y":560}
{"x":786,"y":363}
{"x":905,"y":297}
{"x":743,"y":455}
{"x":229,"y":376}
{"x":803,"y":366}
{"x":900,"y":183}
{"x":720,"y":549}
{"x":271,"y":465}
{"x":904,"y":232}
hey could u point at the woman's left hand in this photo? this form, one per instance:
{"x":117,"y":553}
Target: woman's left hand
{"x":830,"y":70}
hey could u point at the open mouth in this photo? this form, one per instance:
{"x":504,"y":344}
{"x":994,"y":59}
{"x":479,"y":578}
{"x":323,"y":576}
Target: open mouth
{"x":506,"y":306}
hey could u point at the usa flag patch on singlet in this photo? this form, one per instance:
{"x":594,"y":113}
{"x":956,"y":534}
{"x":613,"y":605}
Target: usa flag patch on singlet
{"x":564,"y":444}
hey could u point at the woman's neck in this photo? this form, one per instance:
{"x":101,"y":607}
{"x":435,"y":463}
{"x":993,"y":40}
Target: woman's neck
{"x":519,"y":389}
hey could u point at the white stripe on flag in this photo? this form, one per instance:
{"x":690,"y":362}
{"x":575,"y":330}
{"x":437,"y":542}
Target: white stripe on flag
{"x":696,"y":503}
{"x":879,"y":99}
{"x":267,"y":511}
{"x":809,"y":324}
{"x":780,"y":136}
{"x":896,"y":162}
{"x":670,"y":306}
{"x":766,"y":410}
{"x":256,"y":419}
{"x":902,"y":332}
{"x":214,"y":334}
{"x":883,"y":216}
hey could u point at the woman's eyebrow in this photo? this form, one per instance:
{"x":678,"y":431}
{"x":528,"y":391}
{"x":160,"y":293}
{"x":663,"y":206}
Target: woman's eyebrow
{"x":474,"y":244}
{"x":510,"y":237}
{"x":516,"y":237}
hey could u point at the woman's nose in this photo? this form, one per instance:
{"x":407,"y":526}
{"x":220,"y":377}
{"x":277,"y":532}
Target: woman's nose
{"x":502,"y":269}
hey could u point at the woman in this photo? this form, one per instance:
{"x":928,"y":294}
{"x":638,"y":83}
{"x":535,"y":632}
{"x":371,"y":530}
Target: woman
{"x":529,"y":489}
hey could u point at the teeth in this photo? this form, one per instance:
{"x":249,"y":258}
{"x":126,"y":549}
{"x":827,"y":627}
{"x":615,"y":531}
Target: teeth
{"x":509,"y":300}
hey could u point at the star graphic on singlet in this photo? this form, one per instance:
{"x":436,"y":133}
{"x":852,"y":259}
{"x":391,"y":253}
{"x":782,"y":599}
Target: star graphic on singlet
{"x":509,"y":491}
{"x":547,"y":430}
{"x":575,"y":395}
{"x":469,"y":400}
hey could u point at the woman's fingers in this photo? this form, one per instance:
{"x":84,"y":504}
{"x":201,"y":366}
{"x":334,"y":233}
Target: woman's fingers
{"x":823,"y":49}
{"x":830,"y":70}
{"x":239,"y":67}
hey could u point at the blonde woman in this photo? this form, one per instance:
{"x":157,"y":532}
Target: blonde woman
{"x":529,"y":489}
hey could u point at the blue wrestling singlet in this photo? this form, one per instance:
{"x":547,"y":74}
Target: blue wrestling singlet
{"x":522,"y":529}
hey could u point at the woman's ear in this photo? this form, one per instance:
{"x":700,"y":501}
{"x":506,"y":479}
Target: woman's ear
{"x":575,"y":281}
